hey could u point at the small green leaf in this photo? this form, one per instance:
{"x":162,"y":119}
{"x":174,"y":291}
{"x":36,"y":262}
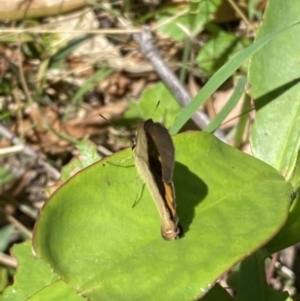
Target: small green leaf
{"x":252,"y":283}
{"x":5,"y":176}
{"x":35,"y":280}
{"x":5,"y":236}
{"x":87,"y":155}
{"x":167,"y":109}
{"x":219,"y":50}
{"x":189,"y":24}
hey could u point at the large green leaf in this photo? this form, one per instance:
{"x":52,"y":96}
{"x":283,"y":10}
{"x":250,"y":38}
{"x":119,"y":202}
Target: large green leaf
{"x":96,"y":242}
{"x":223,"y":74}
{"x":274,"y":80}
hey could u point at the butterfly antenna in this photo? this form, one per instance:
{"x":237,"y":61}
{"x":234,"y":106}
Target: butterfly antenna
{"x":156,"y":107}
{"x":115,"y":127}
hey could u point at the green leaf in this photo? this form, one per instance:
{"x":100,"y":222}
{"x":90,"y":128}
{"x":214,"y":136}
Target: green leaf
{"x":87,"y":155}
{"x":35,"y":280}
{"x":155,"y":101}
{"x":252,"y":283}
{"x":6,"y":233}
{"x":96,"y":242}
{"x":5,"y":176}
{"x":274,"y":80}
{"x":220,"y":77}
{"x":189,"y":24}
{"x":220,"y":49}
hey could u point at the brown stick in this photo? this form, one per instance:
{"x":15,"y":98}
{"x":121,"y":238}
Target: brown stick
{"x":144,"y":39}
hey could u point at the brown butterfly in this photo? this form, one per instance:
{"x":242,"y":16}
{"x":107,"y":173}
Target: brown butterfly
{"x":155,"y":160}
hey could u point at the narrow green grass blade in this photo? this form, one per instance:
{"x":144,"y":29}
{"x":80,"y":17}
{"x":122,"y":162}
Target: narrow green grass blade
{"x":235,"y":97}
{"x":220,"y":77}
{"x":68,"y":49}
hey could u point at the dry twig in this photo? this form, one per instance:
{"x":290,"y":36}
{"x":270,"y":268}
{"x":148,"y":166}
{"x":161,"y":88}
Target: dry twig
{"x":144,"y":39}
